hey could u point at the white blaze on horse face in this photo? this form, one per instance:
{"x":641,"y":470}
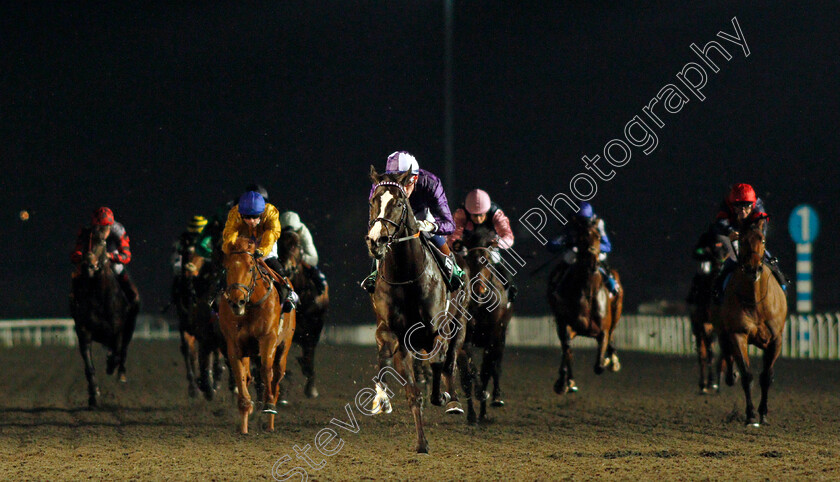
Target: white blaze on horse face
{"x":376,"y":230}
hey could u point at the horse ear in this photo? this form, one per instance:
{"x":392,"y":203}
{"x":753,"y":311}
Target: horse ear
{"x":405,"y":177}
{"x":374,"y":176}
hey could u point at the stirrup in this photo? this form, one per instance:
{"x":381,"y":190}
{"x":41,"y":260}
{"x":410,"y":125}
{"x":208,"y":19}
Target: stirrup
{"x":369,"y":283}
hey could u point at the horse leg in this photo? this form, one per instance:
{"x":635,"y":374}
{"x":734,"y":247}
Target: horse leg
{"x":702,"y":359}
{"x":307,"y":367}
{"x":187,"y":349}
{"x":496,"y":353}
{"x":601,"y":361}
{"x":240,"y":368}
{"x":565,"y":382}
{"x":711,"y":379}
{"x":739,"y":344}
{"x":771,"y":354}
{"x":125,"y":336}
{"x":405,"y":367}
{"x":219,"y":368}
{"x":453,"y":405}
{"x":467,"y":379}
{"x":206,"y":380}
{"x":270,"y":379}
{"x":90,"y":371}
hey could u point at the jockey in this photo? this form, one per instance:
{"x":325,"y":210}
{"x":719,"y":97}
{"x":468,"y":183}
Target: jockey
{"x":103,"y":228}
{"x":428,"y":201}
{"x":739,"y":209}
{"x":188,"y":243}
{"x":309,"y":255}
{"x":565,"y":242}
{"x":255,"y":218}
{"x":479,"y":210}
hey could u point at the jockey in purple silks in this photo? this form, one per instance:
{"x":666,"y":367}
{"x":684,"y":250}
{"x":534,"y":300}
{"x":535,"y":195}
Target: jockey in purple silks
{"x":428,"y":201}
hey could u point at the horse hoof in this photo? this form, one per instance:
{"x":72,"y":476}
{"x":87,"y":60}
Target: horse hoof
{"x":270,"y":408}
{"x":423,"y":449}
{"x":497,"y":403}
{"x":471,"y":418}
{"x":615,"y":365}
{"x":283,"y":402}
{"x":560,"y":388}
{"x":311,"y":393}
{"x":122,"y":378}
{"x":572,"y":387}
{"x":93,"y":402}
{"x":599,"y":369}
{"x":454,"y":408}
{"x":208,"y":395}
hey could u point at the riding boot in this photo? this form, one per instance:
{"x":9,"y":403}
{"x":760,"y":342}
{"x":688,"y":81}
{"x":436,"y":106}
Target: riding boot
{"x":773,"y":264}
{"x":317,"y":278}
{"x":608,"y":278}
{"x":507,"y":282}
{"x":128,"y":288}
{"x":722,"y":279}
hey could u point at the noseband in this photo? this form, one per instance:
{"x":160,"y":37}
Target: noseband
{"x":249,"y":289}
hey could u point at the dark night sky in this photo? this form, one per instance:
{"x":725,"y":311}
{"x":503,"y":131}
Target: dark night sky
{"x":168,"y":111}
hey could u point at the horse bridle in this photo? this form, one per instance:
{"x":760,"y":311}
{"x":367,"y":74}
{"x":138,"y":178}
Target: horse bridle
{"x":249,"y":289}
{"x":397,"y":226}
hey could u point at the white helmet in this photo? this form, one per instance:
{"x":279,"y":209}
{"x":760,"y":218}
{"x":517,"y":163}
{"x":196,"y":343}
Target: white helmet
{"x":290,"y":220}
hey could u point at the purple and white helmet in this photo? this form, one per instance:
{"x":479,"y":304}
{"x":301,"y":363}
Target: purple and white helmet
{"x":401,"y":161}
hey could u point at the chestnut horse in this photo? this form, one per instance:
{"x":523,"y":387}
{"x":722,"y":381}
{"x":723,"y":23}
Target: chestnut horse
{"x":414,"y":316}
{"x":583,"y":305}
{"x":251,"y":322}
{"x":101,"y":313}
{"x":753,"y":312}
{"x":311,"y":311}
{"x":202,"y":344}
{"x":490,"y":315}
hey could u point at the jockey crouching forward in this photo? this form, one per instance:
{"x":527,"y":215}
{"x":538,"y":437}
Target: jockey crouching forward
{"x":255,"y":219}
{"x":428,"y":201}
{"x":565,"y":243}
{"x":479,"y":211}
{"x":309,"y":255}
{"x":103,"y":229}
{"x":740,"y":209}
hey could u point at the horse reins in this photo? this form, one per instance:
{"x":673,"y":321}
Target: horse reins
{"x":249,"y":290}
{"x":397,"y":228}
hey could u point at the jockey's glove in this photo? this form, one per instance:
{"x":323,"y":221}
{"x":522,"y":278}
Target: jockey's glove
{"x":427,"y":226}
{"x":258,"y":254}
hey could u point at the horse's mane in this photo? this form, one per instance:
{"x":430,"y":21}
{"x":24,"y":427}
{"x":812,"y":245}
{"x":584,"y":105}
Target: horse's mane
{"x":244,"y":244}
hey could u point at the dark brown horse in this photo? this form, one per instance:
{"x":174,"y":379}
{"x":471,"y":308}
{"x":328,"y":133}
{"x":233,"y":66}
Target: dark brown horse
{"x":487,"y":327}
{"x":583,"y":305}
{"x":202,"y":344}
{"x":710,"y":253}
{"x":251,"y":322}
{"x":311,"y":311}
{"x":753,"y":312}
{"x":414,"y":317}
{"x":102,"y":314}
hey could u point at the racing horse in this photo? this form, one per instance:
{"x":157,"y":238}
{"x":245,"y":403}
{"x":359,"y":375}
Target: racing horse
{"x":710,"y":252}
{"x":487,"y":327}
{"x":414,"y":316}
{"x":253,"y":325}
{"x":101,"y":313}
{"x":753,"y":312}
{"x":202,"y":344}
{"x":312,"y":309}
{"x":582,"y":305}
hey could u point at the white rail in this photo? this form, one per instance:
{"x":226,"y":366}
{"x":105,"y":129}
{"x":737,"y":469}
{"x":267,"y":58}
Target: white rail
{"x":806,"y":336}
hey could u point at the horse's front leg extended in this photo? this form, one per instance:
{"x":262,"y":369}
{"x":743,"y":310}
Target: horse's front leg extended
{"x":771,"y":354}
{"x":601,"y":361}
{"x":565,"y":381}
{"x":268,"y":351}
{"x":187,"y":350}
{"x":738,"y":343}
{"x":90,"y":371}
{"x":405,"y":367}
{"x":240,"y":368}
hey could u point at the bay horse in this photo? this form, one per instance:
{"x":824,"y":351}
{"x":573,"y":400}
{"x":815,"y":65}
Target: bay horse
{"x":753,"y":312}
{"x":202,"y":344}
{"x":414,"y":316}
{"x":710,"y":251}
{"x":582,"y":305}
{"x":101,"y":313}
{"x":311,"y":311}
{"x":487,"y":327}
{"x":253,"y":326}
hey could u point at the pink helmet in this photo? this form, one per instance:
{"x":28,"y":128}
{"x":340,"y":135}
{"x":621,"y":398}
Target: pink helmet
{"x":478,"y":202}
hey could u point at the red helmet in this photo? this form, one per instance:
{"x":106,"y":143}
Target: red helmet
{"x":741,"y":193}
{"x":103,"y":217}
